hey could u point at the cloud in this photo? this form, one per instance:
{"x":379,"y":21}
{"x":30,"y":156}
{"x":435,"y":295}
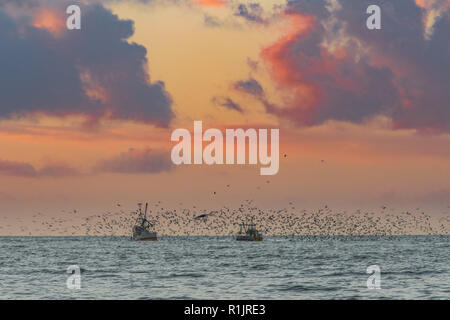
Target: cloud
{"x":58,"y":170}
{"x":250,"y":86}
{"x":434,"y":10}
{"x":333,"y":68}
{"x":252,"y":12}
{"x":210,"y":3}
{"x":211,"y":21}
{"x":23,"y":169}
{"x":20,"y":169}
{"x":253,"y":64}
{"x":95,"y":71}
{"x":228,"y":103}
{"x":44,"y":3}
{"x":130,"y":162}
{"x":136,"y":161}
{"x":20,"y":3}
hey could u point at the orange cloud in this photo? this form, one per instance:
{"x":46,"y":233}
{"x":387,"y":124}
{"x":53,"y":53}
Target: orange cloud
{"x":210,"y":3}
{"x":282,"y":63}
{"x":420,"y":3}
{"x":277,"y":53}
{"x":434,"y":9}
{"x":50,"y":20}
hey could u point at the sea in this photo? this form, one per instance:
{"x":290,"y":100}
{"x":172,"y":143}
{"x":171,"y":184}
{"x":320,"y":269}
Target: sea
{"x":288,"y":267}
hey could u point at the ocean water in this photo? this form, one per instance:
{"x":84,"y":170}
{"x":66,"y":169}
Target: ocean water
{"x":412,"y":267}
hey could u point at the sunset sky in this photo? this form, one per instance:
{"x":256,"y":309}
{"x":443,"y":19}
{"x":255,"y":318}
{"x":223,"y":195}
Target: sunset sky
{"x":86,"y":115}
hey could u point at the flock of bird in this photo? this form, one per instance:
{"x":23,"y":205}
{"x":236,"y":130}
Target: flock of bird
{"x":186,"y":221}
{"x":287,"y":221}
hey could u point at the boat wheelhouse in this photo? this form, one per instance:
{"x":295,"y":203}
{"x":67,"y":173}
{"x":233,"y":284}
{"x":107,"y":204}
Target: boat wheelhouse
{"x":248,"y":232}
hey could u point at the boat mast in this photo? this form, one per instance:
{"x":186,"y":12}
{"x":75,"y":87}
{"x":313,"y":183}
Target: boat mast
{"x":145,"y":214}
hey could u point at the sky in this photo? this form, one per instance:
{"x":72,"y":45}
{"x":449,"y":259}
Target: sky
{"x":86,"y":115}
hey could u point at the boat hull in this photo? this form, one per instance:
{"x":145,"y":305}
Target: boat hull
{"x":141,"y":234}
{"x":147,"y":239}
{"x":249,"y":238}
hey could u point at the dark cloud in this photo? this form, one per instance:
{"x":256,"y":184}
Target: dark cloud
{"x":315,"y":8}
{"x":336,"y":68}
{"x":19,"y":3}
{"x":36,"y":3}
{"x":130,"y":162}
{"x":418,"y":56}
{"x":94,"y":71}
{"x":252,"y":12}
{"x":250,"y":86}
{"x":23,"y":169}
{"x":57,"y":170}
{"x":136,"y":161}
{"x":228,"y":103}
{"x":20,"y":169}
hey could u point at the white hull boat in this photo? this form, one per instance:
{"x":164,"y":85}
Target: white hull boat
{"x":248,"y":232}
{"x":143,"y":230}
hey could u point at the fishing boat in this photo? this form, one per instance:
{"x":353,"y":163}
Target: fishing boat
{"x":248,"y":232}
{"x":143,"y":229}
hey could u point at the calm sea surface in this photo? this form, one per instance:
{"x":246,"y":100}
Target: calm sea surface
{"x":412,"y":267}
